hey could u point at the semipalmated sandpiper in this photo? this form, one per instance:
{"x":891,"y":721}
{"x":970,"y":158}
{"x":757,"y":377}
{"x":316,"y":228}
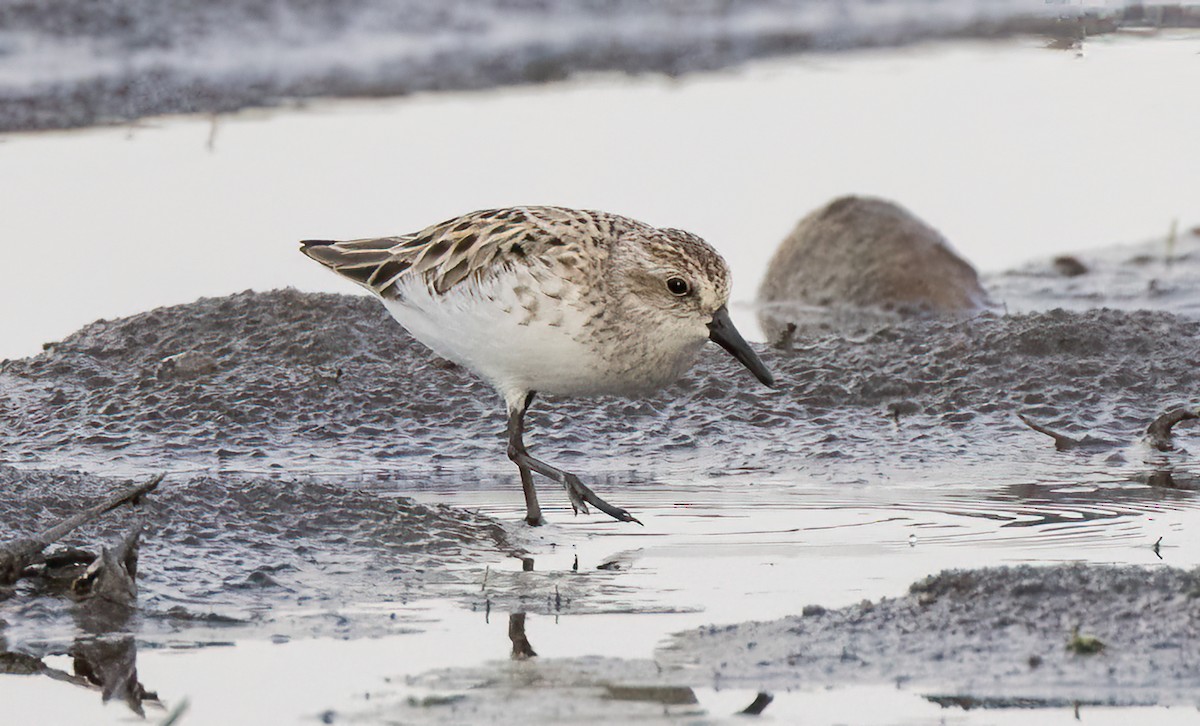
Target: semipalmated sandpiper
{"x":551,"y":300}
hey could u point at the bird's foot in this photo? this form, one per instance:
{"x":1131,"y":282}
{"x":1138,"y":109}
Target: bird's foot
{"x":581,"y":496}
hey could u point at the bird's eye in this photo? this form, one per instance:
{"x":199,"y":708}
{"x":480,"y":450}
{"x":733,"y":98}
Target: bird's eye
{"x":678,"y":286}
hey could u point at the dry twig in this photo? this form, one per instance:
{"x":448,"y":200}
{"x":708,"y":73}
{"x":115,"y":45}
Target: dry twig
{"x":18,"y":554}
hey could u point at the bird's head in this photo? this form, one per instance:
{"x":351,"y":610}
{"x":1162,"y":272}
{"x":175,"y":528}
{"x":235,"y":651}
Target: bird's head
{"x":678,"y":279}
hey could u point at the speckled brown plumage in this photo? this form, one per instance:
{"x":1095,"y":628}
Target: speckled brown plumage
{"x":552,"y":300}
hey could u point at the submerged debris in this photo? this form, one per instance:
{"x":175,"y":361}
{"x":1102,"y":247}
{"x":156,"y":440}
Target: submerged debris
{"x":17,"y":555}
{"x":1158,"y":434}
{"x":759,"y":704}
{"x":103,"y":654}
{"x":1081,"y":644}
{"x":106,"y":592}
{"x":219,"y":542}
{"x":1063,"y":442}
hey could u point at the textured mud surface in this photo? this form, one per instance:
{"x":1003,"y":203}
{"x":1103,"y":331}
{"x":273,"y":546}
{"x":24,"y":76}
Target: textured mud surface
{"x":1091,"y":634}
{"x":328,"y":384}
{"x":246,"y":555}
{"x":75,"y":63}
{"x":1019,"y":637}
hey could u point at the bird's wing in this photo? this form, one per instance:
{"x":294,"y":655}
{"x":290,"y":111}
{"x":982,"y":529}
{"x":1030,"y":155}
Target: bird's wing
{"x":445,"y":254}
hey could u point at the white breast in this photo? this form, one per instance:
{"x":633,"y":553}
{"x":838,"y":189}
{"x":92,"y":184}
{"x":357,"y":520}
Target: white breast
{"x":508,"y":331}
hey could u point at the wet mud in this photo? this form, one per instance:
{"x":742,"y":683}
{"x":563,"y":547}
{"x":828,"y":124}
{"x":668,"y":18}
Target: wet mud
{"x":237,"y":557}
{"x":1112,"y":635}
{"x":78,"y":63}
{"x":1008,"y":637}
{"x":328,"y":384}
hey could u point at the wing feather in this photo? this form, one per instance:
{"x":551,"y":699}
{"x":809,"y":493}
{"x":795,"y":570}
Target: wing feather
{"x":471,"y":246}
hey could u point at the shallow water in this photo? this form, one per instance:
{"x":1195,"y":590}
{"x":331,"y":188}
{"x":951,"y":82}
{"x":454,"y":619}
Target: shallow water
{"x":844,"y":507}
{"x":710,"y":553}
{"x":714,"y":550}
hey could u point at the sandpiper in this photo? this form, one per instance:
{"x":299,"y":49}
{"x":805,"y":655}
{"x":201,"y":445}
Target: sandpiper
{"x":551,"y":300}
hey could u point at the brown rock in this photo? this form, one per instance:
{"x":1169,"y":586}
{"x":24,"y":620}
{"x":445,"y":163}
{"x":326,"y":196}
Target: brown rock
{"x":858,"y":254}
{"x":187,"y":365}
{"x":1069,"y":266}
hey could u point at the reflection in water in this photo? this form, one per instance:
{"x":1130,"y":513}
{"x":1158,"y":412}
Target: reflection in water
{"x":104,"y":593}
{"x":521,"y":649}
{"x":111,"y":664}
{"x":760,"y":702}
{"x":968,"y":703}
{"x":666,"y":695}
{"x":107,"y":602}
{"x":1057,"y":509}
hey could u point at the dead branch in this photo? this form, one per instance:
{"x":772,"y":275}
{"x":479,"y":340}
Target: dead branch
{"x":1158,"y":433}
{"x":18,"y":554}
{"x":761,"y":701}
{"x":1062,"y":442}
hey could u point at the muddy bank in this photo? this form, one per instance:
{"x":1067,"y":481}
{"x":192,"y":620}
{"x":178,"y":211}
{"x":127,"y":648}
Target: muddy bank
{"x":1008,"y":637}
{"x":328,"y":384}
{"x":1095,"y":634}
{"x":1158,"y":274}
{"x":77,"y":63}
{"x":247,"y":556}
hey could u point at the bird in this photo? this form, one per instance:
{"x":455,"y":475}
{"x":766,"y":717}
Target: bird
{"x":551,"y":300}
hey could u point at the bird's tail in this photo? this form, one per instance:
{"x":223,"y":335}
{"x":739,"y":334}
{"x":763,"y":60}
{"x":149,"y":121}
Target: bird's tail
{"x":372,"y":263}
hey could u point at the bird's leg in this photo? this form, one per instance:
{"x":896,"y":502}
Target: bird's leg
{"x":580,"y":495}
{"x":516,"y":427}
{"x":533,"y":511}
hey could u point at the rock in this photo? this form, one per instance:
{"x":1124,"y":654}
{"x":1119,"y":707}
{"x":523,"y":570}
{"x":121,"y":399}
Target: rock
{"x":183,"y":366}
{"x":1069,"y":266}
{"x":860,"y":256}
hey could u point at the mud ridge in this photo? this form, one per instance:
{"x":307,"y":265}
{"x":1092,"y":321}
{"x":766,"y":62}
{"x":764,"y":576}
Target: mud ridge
{"x":328,"y":384}
{"x":227,"y":550}
{"x":1093,"y":634}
